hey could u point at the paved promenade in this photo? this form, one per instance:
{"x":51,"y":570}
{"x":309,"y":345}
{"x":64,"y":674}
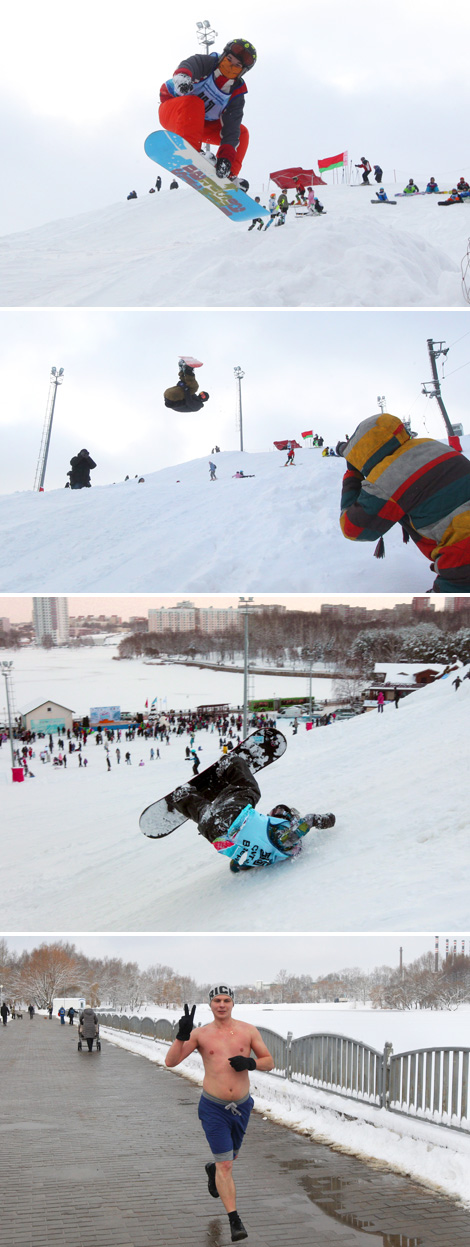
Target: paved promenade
{"x":105,"y":1150}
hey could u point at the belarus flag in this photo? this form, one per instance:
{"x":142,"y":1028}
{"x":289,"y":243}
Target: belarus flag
{"x":333,"y":162}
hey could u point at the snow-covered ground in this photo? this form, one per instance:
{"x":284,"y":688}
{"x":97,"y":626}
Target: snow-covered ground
{"x":179,"y":532}
{"x":171,"y":249}
{"x":435,"y":1156}
{"x":73,"y":857}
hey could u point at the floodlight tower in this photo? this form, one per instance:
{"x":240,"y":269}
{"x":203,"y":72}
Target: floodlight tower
{"x":57,"y":376}
{"x":239,"y":374}
{"x":381,"y":402}
{"x":205,"y":34}
{"x":7,"y":668}
{"x":245,"y":605}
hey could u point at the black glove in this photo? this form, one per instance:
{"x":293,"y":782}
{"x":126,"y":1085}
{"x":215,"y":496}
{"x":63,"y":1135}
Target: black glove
{"x":223,"y":167}
{"x":186,"y":1023}
{"x":242,"y":1062}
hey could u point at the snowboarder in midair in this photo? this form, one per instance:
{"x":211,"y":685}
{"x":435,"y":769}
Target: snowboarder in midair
{"x":184,"y":396}
{"x":204,"y":101}
{"x":235,"y":828}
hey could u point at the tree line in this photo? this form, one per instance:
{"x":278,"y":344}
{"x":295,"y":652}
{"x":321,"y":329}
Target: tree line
{"x":60,"y":969}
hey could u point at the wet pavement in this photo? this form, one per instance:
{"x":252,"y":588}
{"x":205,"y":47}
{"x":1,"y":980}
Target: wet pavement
{"x":105,"y":1150}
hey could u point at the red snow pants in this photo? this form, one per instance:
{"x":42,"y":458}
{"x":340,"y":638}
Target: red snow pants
{"x":185,"y":116}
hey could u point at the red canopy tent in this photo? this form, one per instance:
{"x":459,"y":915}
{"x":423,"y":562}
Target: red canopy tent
{"x":288,"y":179}
{"x":283,"y":445}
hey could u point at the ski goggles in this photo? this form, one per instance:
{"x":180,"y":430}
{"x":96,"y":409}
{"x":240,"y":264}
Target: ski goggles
{"x":244,"y":52}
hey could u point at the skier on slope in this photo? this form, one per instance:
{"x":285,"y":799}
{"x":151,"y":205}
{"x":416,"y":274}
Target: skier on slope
{"x":184,"y":396}
{"x":204,"y":102}
{"x":419,"y":483}
{"x":236,"y":830}
{"x":366,"y":169}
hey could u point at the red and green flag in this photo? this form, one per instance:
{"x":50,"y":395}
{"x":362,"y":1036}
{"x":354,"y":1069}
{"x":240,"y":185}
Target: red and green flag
{"x":333,"y":162}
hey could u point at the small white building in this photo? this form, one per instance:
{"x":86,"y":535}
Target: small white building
{"x":47,"y":716}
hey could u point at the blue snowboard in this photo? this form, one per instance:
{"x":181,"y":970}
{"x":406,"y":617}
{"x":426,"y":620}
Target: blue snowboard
{"x":176,"y":155}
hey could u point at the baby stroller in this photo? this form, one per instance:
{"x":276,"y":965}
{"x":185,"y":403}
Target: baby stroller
{"x":88,"y":1031}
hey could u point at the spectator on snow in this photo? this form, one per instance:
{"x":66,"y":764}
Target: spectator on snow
{"x":4,"y":1010}
{"x":382,"y":195}
{"x":411,"y":188}
{"x":313,"y":203}
{"x":462,"y":185}
{"x":419,"y":483}
{"x":81,"y":466}
{"x":133,"y":195}
{"x":212,"y":471}
{"x":396,"y":698}
{"x":380,"y":701}
{"x":257,"y":220}
{"x":158,"y":183}
{"x":454,"y":198}
{"x":174,"y":185}
{"x":378,"y":173}
{"x":432,"y":186}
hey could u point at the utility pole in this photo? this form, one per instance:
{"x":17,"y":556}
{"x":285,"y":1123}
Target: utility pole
{"x":245,"y":605}
{"x":432,"y":389}
{"x":239,"y":374}
{"x":57,"y":376}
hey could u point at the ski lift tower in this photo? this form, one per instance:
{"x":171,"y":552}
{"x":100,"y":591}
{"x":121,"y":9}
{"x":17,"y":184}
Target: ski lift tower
{"x":205,"y":36}
{"x":239,"y":374}
{"x":57,"y":375}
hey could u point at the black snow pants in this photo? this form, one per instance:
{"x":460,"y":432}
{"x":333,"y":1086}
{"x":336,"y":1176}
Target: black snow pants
{"x":213,"y":818}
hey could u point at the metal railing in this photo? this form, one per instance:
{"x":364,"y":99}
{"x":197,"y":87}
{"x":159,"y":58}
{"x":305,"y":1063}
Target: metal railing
{"x":429,"y":1083}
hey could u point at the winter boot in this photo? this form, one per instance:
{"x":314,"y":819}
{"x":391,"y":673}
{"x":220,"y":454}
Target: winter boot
{"x":324,"y":820}
{"x":237,"y":1228}
{"x":210,"y":1170}
{"x":183,"y":791}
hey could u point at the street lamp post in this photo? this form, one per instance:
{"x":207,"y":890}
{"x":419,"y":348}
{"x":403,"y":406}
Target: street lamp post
{"x":245,"y":605}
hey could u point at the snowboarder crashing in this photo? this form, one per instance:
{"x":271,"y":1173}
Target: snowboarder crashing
{"x":204,"y":102}
{"x":236,"y":829}
{"x":184,"y":395}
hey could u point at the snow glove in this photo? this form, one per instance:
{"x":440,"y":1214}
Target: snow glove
{"x":182,"y":83}
{"x":186,"y":1023}
{"x":240,"y":1063}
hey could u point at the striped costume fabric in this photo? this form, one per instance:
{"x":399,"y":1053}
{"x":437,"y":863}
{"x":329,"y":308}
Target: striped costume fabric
{"x":422,"y":484}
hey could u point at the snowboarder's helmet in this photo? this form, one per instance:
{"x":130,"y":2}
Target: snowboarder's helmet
{"x":284,"y":811}
{"x":244,"y":52}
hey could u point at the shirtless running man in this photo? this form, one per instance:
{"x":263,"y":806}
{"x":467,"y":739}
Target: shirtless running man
{"x":225,"y":1046}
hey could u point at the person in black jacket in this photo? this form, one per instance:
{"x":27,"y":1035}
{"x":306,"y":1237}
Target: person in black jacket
{"x":81,"y":466}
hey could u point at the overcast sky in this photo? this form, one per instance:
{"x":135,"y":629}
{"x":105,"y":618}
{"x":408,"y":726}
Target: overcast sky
{"x":303,"y":370}
{"x":247,"y":958}
{"x":80,"y":88}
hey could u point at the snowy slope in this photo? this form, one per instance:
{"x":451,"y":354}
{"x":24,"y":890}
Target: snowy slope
{"x":180,"y":533}
{"x":175,"y":249}
{"x":397,"y":859}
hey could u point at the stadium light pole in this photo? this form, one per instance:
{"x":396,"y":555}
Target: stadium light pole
{"x":206,"y":36}
{"x":57,"y":376}
{"x":6,"y":673}
{"x":381,"y":402}
{"x":239,"y":374}
{"x":245,"y":605}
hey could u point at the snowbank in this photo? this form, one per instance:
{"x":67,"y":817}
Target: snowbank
{"x":146,"y":252}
